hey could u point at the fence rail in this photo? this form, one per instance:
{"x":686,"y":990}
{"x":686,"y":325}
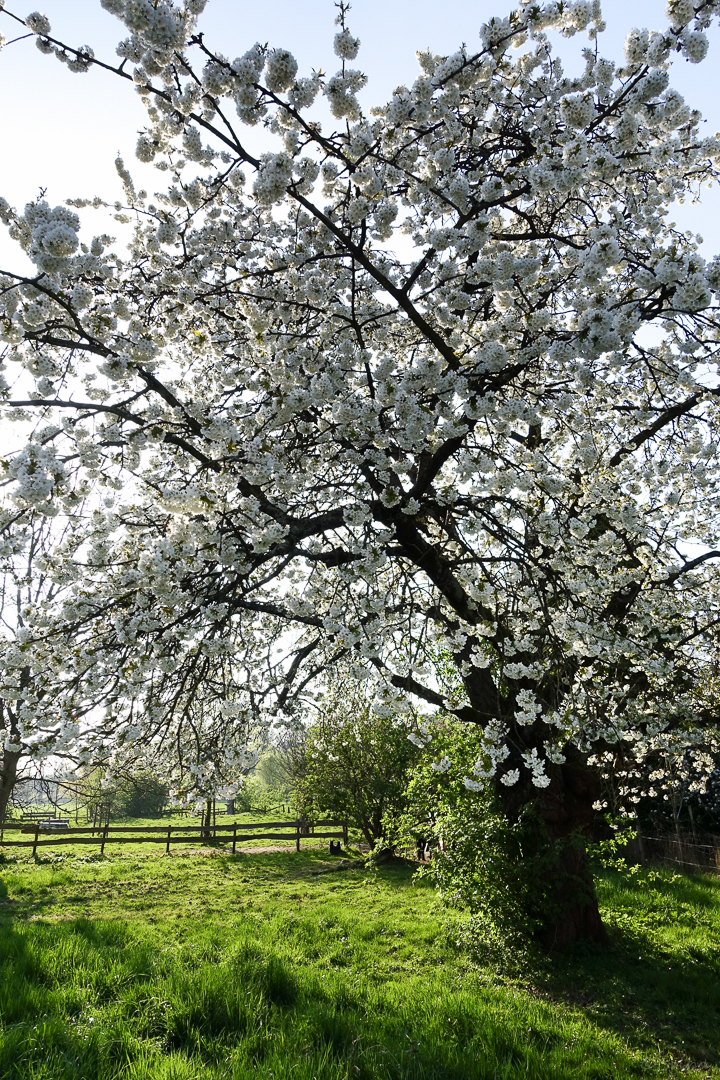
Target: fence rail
{"x":53,"y":836}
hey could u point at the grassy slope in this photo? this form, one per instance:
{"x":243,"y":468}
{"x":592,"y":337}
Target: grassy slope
{"x":256,"y":966}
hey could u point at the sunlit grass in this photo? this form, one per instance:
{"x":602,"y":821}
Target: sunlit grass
{"x":259,"y":966}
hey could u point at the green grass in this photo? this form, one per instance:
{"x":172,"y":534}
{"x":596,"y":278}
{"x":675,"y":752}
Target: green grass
{"x":153,"y":968}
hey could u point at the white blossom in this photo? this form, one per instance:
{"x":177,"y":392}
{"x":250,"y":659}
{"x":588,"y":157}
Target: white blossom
{"x":280,"y":71}
{"x":346,"y":46}
{"x":38,"y":23}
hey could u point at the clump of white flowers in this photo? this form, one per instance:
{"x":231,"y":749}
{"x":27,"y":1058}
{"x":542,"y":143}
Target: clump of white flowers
{"x":341,"y":91}
{"x":38,"y":23}
{"x":38,"y":475}
{"x":577,"y":110}
{"x":536,"y":765}
{"x":345,"y":45}
{"x":442,"y":765}
{"x":636,"y":46}
{"x":157,"y":24}
{"x":695,"y":45}
{"x":680,"y":12}
{"x":273,"y":178}
{"x":280,"y":70}
{"x":54,"y":235}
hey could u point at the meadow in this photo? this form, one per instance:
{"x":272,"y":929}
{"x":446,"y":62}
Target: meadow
{"x":207,"y":965}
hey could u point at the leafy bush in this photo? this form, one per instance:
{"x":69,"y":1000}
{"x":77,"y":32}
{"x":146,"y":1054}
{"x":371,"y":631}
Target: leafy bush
{"x":140,"y":795}
{"x":355,"y":765}
{"x":506,"y":873}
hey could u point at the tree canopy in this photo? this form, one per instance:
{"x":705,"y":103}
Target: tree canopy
{"x":440,"y":375}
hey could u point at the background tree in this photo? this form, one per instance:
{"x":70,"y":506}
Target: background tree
{"x":39,"y":708}
{"x":203,"y":750}
{"x":270,"y":786}
{"x":389,"y":386}
{"x":140,"y":795}
{"x":135,"y":794}
{"x":354,"y":765}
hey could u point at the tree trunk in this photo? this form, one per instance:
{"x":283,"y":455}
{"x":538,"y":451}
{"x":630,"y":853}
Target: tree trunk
{"x":569,"y":911}
{"x":580,"y":919}
{"x":565,"y":812}
{"x":9,"y":759}
{"x":8,"y":775}
{"x":367,"y":831}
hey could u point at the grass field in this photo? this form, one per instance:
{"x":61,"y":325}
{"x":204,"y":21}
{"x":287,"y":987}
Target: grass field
{"x":213,"y":966}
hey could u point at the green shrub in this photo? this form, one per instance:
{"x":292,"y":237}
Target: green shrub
{"x":140,"y":795}
{"x":507,"y":874}
{"x":355,"y":765}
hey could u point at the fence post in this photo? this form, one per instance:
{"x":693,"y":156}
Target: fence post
{"x":104,"y":834}
{"x":37,"y":833}
{"x":692,"y":824}
{"x":297,"y":837}
{"x":167,"y":845}
{"x":345,"y":833}
{"x":234,"y":836}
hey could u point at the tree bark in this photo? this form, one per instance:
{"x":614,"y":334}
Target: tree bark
{"x":9,"y":759}
{"x":565,"y":812}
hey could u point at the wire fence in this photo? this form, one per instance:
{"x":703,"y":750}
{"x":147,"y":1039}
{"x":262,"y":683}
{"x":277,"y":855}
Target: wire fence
{"x":684,"y":851}
{"x":54,"y":832}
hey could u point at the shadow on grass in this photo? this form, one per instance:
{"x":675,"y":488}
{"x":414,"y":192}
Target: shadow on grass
{"x":659,"y":980}
{"x":281,"y":866}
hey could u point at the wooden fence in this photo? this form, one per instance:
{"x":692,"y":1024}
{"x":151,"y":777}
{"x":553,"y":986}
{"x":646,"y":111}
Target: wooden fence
{"x":54,"y":834}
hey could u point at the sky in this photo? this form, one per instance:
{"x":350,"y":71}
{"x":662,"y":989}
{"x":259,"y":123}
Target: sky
{"x":62,"y":132}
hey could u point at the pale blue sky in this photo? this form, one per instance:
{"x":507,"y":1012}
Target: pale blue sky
{"x":62,"y":131}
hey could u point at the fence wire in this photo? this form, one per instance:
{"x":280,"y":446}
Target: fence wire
{"x":686,"y":851}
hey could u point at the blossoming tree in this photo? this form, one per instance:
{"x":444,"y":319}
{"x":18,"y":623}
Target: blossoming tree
{"x":436,"y":376}
{"x":39,"y":709}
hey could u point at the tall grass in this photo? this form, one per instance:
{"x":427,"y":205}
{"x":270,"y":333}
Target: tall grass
{"x":259,"y":966}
